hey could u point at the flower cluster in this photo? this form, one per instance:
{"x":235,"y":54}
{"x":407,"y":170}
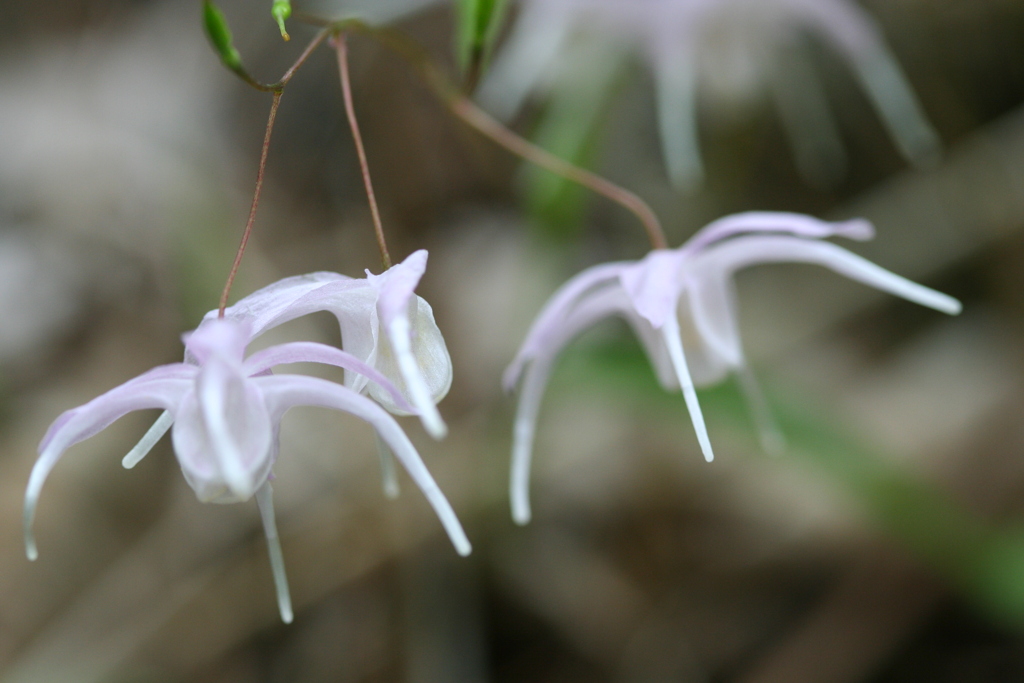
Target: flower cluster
{"x":225,"y":409}
{"x":733,"y":44}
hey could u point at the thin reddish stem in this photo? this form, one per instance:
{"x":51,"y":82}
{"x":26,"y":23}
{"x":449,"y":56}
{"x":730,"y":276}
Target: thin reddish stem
{"x":463,"y":107}
{"x":476,"y":117}
{"x":255,"y":202}
{"x":346,"y":90}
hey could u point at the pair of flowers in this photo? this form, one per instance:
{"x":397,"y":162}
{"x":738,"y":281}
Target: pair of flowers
{"x":225,"y":409}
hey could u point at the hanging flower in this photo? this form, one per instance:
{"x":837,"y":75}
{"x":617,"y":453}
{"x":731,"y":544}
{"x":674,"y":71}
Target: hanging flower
{"x":383,"y":323}
{"x":226,"y":412}
{"x":681,"y":305}
{"x":729,"y":46}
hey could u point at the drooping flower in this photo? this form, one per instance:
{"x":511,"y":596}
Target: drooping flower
{"x":384,"y":324}
{"x":681,"y":305}
{"x":226,"y":412}
{"x":729,"y":46}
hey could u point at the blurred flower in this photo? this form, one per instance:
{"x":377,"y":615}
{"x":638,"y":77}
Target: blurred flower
{"x":735,"y":45}
{"x":226,"y":412}
{"x":681,"y":305}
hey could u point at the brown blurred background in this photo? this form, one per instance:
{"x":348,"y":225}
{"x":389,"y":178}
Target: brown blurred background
{"x":884,"y":546}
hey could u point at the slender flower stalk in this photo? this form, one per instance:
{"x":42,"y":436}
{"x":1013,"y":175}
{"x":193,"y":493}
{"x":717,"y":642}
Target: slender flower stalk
{"x":255,"y":203}
{"x":463,"y":107}
{"x":277,"y":89}
{"x":341,"y":46}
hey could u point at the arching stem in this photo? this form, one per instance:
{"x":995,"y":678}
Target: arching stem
{"x":476,"y":117}
{"x":463,"y":107}
{"x":341,"y":46}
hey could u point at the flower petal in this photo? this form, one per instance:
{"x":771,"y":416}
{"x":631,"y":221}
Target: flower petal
{"x":670,"y":332}
{"x":777,"y":221}
{"x":730,"y":256}
{"x":549,"y":320}
{"x":398,"y":284}
{"x":279,"y":302}
{"x":223,"y":435}
{"x":313,"y":352}
{"x":653,"y":284}
{"x":265,"y":502}
{"x":609,"y":301}
{"x":85,"y":421}
{"x":285,"y":391}
{"x":676,"y":78}
{"x":527,"y":54}
{"x":148,"y":440}
{"x":400,"y":335}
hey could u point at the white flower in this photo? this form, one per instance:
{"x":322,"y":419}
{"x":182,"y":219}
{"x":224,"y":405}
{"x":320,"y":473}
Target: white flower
{"x":226,"y":411}
{"x":732,"y":44}
{"x":383,"y":323}
{"x":686,"y":289}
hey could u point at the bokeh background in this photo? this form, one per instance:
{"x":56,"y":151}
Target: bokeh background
{"x":885,"y":545}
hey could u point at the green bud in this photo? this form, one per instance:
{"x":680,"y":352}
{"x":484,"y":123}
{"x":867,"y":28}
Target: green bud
{"x":281,"y":10}
{"x":220,"y":36}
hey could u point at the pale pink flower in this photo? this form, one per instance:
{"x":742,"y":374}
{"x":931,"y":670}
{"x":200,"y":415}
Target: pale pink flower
{"x":730,"y":46}
{"x":383,"y":323}
{"x":226,"y":409}
{"x":686,"y":289}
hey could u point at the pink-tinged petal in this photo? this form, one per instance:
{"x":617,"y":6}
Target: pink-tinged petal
{"x":273,"y":304}
{"x":225,"y":339}
{"x":86,"y":421}
{"x":670,"y":332}
{"x":777,"y":221}
{"x":609,"y":301}
{"x":653,"y":285}
{"x":733,"y":255}
{"x":223,"y":435}
{"x":313,"y":352}
{"x":265,"y":502}
{"x":286,"y":391}
{"x":397,"y":284}
{"x":550,"y":319}
{"x":176,"y":371}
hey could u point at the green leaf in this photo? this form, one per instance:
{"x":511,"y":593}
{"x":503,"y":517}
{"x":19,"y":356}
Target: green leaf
{"x":478,"y":25}
{"x":220,"y":36}
{"x":281,"y":10}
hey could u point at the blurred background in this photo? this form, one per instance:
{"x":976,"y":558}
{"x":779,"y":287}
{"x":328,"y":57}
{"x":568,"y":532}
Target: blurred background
{"x":886,"y":544}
